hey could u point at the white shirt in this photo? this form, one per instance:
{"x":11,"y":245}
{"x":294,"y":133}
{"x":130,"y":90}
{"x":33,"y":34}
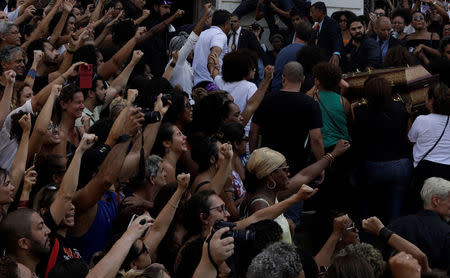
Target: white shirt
{"x":183,"y":74}
{"x":14,"y":14}
{"x":8,"y":146}
{"x":236,"y":39}
{"x":241,"y":91}
{"x":208,"y":39}
{"x":93,"y":116}
{"x":425,"y":132}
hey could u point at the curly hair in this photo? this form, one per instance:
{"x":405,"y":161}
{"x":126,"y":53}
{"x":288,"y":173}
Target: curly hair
{"x":328,"y":75}
{"x":403,"y":13}
{"x":237,"y":65}
{"x":369,"y":253}
{"x":278,"y":260}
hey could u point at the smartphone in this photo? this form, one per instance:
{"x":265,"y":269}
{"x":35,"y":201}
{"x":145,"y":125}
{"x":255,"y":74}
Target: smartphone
{"x":85,"y":72}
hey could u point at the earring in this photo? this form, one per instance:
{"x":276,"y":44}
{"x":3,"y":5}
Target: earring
{"x":274,"y":184}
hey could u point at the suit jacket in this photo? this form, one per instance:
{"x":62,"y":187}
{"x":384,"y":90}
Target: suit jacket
{"x":248,"y":40}
{"x":330,"y":38}
{"x":392,"y":41}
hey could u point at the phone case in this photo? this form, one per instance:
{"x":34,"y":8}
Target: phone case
{"x":85,"y":73}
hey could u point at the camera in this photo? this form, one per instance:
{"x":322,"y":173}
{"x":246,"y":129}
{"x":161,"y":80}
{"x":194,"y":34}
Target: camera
{"x":151,"y":116}
{"x":238,"y":235}
{"x":166,"y":98}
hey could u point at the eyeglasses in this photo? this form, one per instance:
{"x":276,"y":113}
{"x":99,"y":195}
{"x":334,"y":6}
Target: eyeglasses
{"x":416,"y":18}
{"x":352,"y":227}
{"x":379,"y":14}
{"x":285,"y":168}
{"x":222,"y":208}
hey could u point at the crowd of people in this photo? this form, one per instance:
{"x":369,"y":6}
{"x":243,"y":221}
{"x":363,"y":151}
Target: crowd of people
{"x":134,"y":146}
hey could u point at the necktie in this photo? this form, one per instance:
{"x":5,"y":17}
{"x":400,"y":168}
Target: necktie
{"x":233,"y":41}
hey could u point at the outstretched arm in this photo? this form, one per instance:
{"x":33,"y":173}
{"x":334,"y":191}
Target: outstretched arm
{"x":159,"y":228}
{"x":87,"y":197}
{"x":19,"y":163}
{"x":218,"y":181}
{"x":275,"y":210}
{"x":111,"y":262}
{"x":42,"y":122}
{"x":5,"y":103}
{"x":373,"y":225}
{"x":311,"y":172}
{"x":109,"y":68}
{"x":254,"y":102}
{"x":69,"y":184}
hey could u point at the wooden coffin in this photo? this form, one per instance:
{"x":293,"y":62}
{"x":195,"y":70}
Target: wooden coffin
{"x":411,"y":83}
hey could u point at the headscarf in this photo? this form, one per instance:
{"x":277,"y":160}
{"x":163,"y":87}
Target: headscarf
{"x":177,"y":42}
{"x":264,"y":161}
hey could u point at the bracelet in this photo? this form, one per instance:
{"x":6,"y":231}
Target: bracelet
{"x":172,"y":205}
{"x":329,"y":157}
{"x":70,"y":50}
{"x":173,"y":64}
{"x":32,"y":73}
{"x":385,"y":234}
{"x":123,"y":138}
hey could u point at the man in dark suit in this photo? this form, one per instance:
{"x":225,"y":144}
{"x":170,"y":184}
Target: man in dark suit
{"x":382,"y":35}
{"x":241,"y":38}
{"x":327,"y":35}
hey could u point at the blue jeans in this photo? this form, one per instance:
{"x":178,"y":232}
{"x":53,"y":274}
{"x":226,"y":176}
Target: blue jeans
{"x":386,"y":183}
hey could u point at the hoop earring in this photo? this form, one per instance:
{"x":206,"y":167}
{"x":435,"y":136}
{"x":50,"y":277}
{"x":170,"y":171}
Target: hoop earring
{"x":274,"y":184}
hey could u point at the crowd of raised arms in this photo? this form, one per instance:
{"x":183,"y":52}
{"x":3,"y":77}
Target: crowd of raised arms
{"x":135,"y":143}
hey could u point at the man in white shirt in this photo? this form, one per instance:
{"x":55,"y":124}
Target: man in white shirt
{"x":212,"y":43}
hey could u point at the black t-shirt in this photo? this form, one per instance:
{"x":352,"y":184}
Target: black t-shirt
{"x":285,"y":118}
{"x":381,"y":135}
{"x":66,"y":250}
{"x":39,"y":83}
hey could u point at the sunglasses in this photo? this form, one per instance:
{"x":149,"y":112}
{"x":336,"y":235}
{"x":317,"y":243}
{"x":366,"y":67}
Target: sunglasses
{"x":416,"y":18}
{"x":245,"y":138}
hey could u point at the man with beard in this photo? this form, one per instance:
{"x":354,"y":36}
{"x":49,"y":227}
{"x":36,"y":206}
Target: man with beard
{"x":156,"y":48}
{"x":25,"y":237}
{"x":94,"y":98}
{"x":46,"y":70}
{"x":97,"y":97}
{"x":362,"y":52}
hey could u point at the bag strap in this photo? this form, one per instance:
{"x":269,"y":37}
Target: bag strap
{"x":435,"y":144}
{"x":329,"y":115}
{"x":53,"y":257}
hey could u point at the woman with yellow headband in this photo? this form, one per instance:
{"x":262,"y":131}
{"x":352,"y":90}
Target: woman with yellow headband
{"x":267,"y":180}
